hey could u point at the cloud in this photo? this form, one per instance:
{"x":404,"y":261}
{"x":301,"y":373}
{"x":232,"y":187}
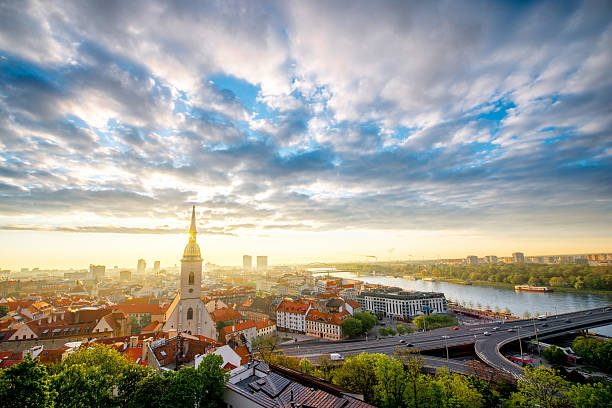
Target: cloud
{"x":363,"y":116}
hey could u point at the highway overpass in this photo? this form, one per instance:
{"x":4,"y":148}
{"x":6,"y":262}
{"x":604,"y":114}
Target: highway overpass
{"x":486,"y":346}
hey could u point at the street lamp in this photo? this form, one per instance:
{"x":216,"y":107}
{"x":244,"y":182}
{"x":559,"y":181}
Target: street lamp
{"x":520,"y":345}
{"x":446,"y":345}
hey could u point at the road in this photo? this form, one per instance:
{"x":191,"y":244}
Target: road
{"x":487,"y":347}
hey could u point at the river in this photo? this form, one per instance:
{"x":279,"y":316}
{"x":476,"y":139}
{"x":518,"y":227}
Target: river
{"x":535,"y":303}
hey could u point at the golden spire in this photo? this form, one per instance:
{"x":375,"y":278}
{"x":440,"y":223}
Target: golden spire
{"x":192,"y":229}
{"x":192,"y":250}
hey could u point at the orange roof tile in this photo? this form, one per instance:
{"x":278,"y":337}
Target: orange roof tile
{"x":264,"y":323}
{"x":293,"y":307}
{"x":225,"y":314}
{"x":239,"y":327}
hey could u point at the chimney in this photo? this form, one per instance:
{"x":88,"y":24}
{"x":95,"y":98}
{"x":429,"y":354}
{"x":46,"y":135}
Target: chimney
{"x":172,"y":333}
{"x":133,"y":341}
{"x":145,"y":347}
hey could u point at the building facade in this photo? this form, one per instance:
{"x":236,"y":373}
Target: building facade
{"x":401,"y":304}
{"x":262,"y":263}
{"x":291,"y":316}
{"x":247,"y":262}
{"x":325,"y":325}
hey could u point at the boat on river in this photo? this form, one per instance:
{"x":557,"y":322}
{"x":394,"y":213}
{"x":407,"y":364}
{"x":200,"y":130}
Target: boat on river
{"x":529,"y":288}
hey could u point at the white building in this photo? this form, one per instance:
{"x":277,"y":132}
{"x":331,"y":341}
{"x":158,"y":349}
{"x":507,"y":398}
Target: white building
{"x":187,"y":312}
{"x":401,"y":304}
{"x":291,"y":316}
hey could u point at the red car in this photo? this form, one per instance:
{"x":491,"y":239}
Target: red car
{"x":456,"y":328}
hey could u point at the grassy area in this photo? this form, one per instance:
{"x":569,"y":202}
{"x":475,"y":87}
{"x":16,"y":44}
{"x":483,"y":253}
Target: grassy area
{"x":433,"y":322}
{"x":286,"y":339}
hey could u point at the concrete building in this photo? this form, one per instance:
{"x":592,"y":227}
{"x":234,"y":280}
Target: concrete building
{"x":518,"y":257}
{"x":156,"y":267}
{"x":401,"y":304}
{"x":187,"y":312}
{"x":125,"y":276}
{"x":96,"y":272}
{"x":471,"y":260}
{"x":247,"y":262}
{"x":141,"y":267}
{"x":262,"y":263}
{"x":491,"y":259}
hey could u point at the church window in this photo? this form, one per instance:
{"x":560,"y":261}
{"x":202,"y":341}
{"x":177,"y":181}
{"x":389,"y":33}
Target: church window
{"x":191,"y":277}
{"x":189,"y":314}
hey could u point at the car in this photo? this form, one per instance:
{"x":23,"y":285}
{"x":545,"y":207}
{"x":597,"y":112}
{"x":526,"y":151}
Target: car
{"x":402,"y":341}
{"x":456,"y":328}
{"x":588,"y":313}
{"x":510,"y":330}
{"x":542,"y":317}
{"x":486,"y":333}
{"x":409,"y":345}
{"x":495,"y":328}
{"x":568,"y":320}
{"x":544,"y":324}
{"x":382,"y":323}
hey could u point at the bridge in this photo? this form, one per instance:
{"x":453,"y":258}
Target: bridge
{"x":486,"y":339}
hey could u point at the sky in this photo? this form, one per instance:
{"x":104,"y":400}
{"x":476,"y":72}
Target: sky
{"x":303,"y":130}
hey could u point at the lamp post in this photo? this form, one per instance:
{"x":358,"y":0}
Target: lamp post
{"x":446,"y":345}
{"x":520,"y":345}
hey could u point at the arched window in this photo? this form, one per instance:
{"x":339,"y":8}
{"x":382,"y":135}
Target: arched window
{"x":189,"y":314}
{"x":191,"y":277}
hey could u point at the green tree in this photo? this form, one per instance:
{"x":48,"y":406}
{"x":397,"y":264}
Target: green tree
{"x":540,"y":386}
{"x":368,"y":320}
{"x":351,"y":327}
{"x":81,"y":385}
{"x":590,"y":395}
{"x":453,"y":390}
{"x":555,"y":355}
{"x":150,"y":392}
{"x":391,"y":388}
{"x":356,"y":375}
{"x":201,"y":388}
{"x":129,"y":381}
{"x":25,"y":385}
{"x":306,"y":366}
{"x":110,"y":361}
{"x":413,"y":366}
{"x":4,"y":309}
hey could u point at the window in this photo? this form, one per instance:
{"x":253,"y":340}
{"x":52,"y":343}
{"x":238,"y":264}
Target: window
{"x":190,"y":313}
{"x":191,"y":278}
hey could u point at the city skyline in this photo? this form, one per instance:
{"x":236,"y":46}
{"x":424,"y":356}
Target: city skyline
{"x":395,"y":131}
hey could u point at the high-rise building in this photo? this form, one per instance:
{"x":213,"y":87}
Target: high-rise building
{"x":492,"y":259}
{"x":125,"y":275}
{"x":142,"y":266}
{"x":187,"y":312}
{"x":471,"y":259}
{"x":262,"y":263}
{"x":156,"y":267}
{"x":518,"y":257}
{"x":247,"y":262}
{"x":96,"y":272}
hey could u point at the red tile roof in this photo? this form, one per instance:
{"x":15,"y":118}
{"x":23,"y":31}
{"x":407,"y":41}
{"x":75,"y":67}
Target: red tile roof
{"x":225,"y":315}
{"x":140,"y":309}
{"x":293,"y":307}
{"x":244,"y":354}
{"x":151,"y":327}
{"x":239,"y":327}
{"x":354,"y":304}
{"x":329,"y":318}
{"x":264,"y":323}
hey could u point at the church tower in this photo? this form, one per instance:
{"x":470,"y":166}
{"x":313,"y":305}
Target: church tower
{"x":187,"y":313}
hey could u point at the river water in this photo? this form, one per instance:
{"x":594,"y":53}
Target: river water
{"x":535,"y":303}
